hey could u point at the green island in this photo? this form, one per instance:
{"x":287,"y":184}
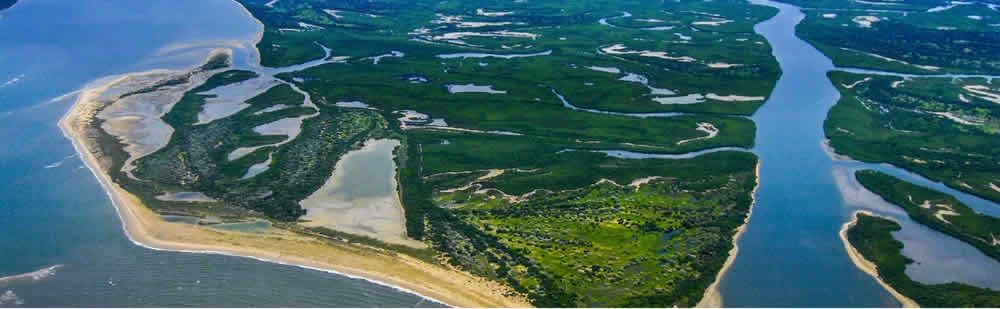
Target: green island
{"x":872,"y":237}
{"x":590,"y":153}
{"x":942,"y":128}
{"x":912,"y":36}
{"x":937,"y":210}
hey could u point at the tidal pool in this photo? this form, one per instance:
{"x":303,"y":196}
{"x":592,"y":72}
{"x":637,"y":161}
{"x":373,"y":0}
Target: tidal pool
{"x":360,"y":197}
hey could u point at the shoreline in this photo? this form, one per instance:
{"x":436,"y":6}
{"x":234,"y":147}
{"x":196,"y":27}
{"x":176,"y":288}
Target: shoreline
{"x":867,"y":266}
{"x":712,"y":298}
{"x":403,"y":273}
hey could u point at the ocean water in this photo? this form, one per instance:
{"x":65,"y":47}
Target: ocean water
{"x":53,"y":211}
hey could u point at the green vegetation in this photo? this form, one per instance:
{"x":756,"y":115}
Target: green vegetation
{"x":942,"y":128}
{"x":937,"y":210}
{"x":548,"y":230}
{"x":571,"y":31}
{"x":197,"y":157}
{"x":872,"y":236}
{"x":510,"y":185}
{"x":920,"y":36}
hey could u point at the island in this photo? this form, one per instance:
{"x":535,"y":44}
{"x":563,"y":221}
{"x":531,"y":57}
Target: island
{"x":940,"y":127}
{"x":871,"y":237}
{"x":482,"y":154}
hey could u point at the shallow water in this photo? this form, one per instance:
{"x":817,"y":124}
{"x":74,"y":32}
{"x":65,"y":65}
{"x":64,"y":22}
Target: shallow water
{"x":360,"y":197}
{"x":60,"y":215}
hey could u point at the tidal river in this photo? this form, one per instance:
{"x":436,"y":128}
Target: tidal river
{"x":791,"y":254}
{"x":53,"y":211}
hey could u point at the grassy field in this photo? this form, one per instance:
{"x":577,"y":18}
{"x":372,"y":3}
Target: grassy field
{"x":872,"y":236}
{"x":543,"y":226}
{"x":936,"y":127}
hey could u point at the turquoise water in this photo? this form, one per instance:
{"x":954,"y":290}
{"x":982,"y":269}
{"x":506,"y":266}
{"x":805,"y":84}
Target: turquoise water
{"x":60,"y":215}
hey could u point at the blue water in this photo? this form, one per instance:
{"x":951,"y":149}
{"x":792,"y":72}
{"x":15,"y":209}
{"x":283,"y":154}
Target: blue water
{"x":791,"y":254}
{"x":60,"y":215}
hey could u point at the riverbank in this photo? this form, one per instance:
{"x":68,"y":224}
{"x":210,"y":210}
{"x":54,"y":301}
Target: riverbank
{"x":867,"y":266}
{"x":145,"y":228}
{"x":712,"y":297}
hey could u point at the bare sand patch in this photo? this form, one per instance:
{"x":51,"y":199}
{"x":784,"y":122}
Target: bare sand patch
{"x":983,"y":92}
{"x":483,"y":12}
{"x":866,"y":79}
{"x":733,"y":98}
{"x":722,"y":65}
{"x":952,"y":117}
{"x":715,"y":22}
{"x":620,"y":49}
{"x":704,"y":127}
{"x":185,"y":197}
{"x":687,"y":99}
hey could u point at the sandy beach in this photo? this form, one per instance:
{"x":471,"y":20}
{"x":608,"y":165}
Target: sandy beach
{"x":147,"y":229}
{"x":867,"y":266}
{"x":712,"y":297}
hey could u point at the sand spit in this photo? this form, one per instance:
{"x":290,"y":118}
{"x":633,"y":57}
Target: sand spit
{"x":30,"y":277}
{"x":867,"y":266}
{"x":482,"y":12}
{"x":620,"y":49}
{"x":716,"y":22}
{"x":704,"y":127}
{"x":862,"y":81}
{"x":833,"y":153}
{"x":713,"y":297}
{"x":131,"y":107}
{"x":145,"y":228}
{"x":982,"y":92}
